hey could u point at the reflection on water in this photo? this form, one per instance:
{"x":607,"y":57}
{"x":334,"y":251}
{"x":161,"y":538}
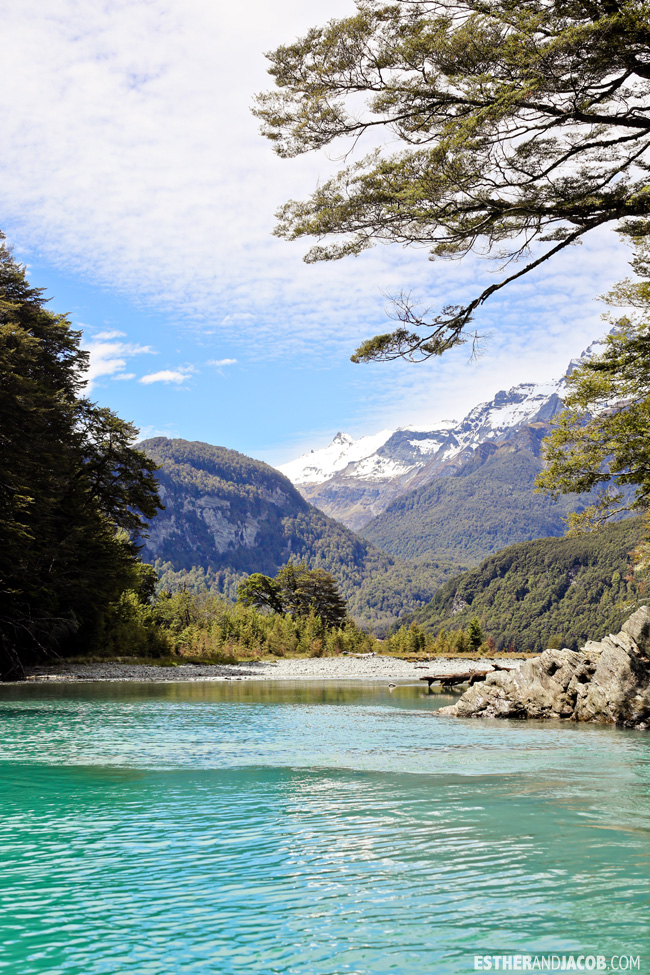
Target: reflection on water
{"x":250,"y":692}
{"x":310,"y":829}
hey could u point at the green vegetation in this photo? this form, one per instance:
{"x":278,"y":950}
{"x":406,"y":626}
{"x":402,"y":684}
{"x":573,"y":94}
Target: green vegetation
{"x":227,"y":516}
{"x":218,"y":582}
{"x":543,"y":593}
{"x":380,"y":598}
{"x":412,"y":640}
{"x":296,"y":591}
{"x":188,"y":627}
{"x":602,"y":438}
{"x":388,"y":594}
{"x":489,"y":504}
{"x":74,"y":493}
{"x":185,"y":627}
{"x":506,"y":125}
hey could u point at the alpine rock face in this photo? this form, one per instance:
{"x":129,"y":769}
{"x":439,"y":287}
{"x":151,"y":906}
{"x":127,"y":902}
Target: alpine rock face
{"x":355,"y":480}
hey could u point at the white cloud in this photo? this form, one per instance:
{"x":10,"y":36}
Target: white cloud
{"x":107,"y":336}
{"x":177,"y":376}
{"x":221,"y":362}
{"x":130,"y":156}
{"x":135,"y":160}
{"x":108,"y":357}
{"x":149,"y":431}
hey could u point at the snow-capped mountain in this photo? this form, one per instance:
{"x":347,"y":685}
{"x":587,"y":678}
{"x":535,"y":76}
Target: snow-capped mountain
{"x":319,"y":465}
{"x":354,"y":480}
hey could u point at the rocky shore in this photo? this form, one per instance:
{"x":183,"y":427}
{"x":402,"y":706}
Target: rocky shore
{"x":369,"y":668}
{"x":607,"y":681}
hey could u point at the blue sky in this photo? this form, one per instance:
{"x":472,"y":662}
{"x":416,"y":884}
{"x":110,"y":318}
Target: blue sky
{"x":137,"y":190}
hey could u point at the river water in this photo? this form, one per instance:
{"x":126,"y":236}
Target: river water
{"x":302,"y":829}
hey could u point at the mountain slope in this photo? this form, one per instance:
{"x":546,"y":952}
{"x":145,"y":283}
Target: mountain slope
{"x":459,"y":491}
{"x":549,"y":592}
{"x":481,"y":507}
{"x":229,"y":515}
{"x":354,"y":481}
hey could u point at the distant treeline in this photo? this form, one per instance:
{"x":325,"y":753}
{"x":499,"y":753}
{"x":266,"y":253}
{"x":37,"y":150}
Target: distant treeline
{"x":550,"y":592}
{"x":203,"y":627}
{"x":389,"y":590}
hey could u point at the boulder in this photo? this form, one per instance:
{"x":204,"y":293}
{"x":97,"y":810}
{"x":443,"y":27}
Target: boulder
{"x":606,"y":681}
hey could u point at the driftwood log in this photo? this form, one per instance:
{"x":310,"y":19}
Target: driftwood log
{"x":468,"y":677}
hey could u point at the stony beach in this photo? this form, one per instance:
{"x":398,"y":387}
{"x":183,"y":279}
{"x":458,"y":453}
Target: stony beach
{"x":371,"y":668}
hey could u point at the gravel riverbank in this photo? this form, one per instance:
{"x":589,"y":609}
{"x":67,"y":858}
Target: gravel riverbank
{"x":313,"y":668}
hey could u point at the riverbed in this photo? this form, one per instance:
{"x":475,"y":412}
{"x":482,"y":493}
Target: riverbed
{"x":365,"y":667}
{"x":309,"y":828}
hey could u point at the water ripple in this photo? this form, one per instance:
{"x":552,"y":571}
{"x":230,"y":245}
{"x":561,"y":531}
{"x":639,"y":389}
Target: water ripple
{"x":349,"y":834}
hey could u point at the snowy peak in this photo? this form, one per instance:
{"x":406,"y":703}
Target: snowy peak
{"x":318,"y":466}
{"x":402,"y":453}
{"x":510,"y":410}
{"x":596,"y":348}
{"x":342,"y":440}
{"x":356,"y":480}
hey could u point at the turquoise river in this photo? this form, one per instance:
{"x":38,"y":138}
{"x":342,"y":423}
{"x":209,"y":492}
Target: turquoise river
{"x":304,"y":829}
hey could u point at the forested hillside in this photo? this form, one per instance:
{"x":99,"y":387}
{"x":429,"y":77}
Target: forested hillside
{"x":483,"y":507}
{"x":74,"y":492}
{"x":550,"y":592}
{"x":227,"y":515}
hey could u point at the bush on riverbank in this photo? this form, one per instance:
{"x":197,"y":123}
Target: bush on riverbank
{"x":414,"y":641}
{"x":204,"y":628}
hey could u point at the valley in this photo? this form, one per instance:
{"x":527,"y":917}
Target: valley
{"x":435,"y":527}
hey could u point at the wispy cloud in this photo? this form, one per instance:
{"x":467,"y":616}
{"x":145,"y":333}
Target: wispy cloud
{"x":109,"y":356}
{"x":130,"y":157}
{"x":219,"y":363}
{"x":176,"y":376}
{"x":108,"y":335}
{"x":149,"y":431}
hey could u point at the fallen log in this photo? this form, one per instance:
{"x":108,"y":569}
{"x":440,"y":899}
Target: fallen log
{"x":466,"y":676}
{"x":459,"y":677}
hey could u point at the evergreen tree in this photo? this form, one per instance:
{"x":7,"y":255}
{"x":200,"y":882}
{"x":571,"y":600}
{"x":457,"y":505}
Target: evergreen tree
{"x":602,"y":438}
{"x":262,"y":592}
{"x":505,"y":124}
{"x":296,"y":591}
{"x":320,"y":593}
{"x":474,"y":634}
{"x":74,"y":493}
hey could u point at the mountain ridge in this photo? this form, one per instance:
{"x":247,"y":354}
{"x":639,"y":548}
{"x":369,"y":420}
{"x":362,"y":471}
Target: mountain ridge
{"x":548,"y":592}
{"x":354,"y":481}
{"x":227,"y":515}
{"x":460,"y":490}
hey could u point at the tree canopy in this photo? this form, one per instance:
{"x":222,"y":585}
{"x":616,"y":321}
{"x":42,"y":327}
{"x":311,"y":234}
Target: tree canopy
{"x":296,"y":591}
{"x":520,"y":126}
{"x":74,"y":492}
{"x":602,"y":438}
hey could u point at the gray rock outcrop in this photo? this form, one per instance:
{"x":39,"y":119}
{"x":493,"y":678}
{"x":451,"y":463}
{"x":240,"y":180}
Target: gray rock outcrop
{"x":606,"y":681}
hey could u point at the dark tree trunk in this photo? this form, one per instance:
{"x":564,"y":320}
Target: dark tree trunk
{"x":11,"y":667}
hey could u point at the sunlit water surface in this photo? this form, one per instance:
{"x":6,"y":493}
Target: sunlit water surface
{"x":301,"y":828}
